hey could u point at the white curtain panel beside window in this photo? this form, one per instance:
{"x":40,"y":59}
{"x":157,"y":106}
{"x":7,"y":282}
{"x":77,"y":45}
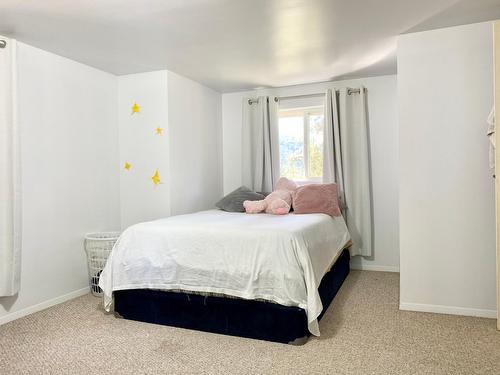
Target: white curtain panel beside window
{"x":346,"y":162}
{"x":10,"y":177}
{"x":260,"y":156}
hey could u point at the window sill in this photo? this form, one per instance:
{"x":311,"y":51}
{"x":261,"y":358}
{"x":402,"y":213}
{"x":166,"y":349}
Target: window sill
{"x":308,"y":182}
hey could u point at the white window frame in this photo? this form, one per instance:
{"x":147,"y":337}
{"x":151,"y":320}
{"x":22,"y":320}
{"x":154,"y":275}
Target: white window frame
{"x":306,"y":113}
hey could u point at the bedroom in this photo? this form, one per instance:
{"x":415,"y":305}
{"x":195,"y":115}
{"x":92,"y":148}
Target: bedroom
{"x":120,"y":113}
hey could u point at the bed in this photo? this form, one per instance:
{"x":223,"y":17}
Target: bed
{"x":260,"y":276}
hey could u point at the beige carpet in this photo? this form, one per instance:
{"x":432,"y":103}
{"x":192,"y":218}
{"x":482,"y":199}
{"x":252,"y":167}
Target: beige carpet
{"x":363,"y":332}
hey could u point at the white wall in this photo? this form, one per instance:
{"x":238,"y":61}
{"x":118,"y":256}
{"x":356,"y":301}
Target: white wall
{"x":194,"y":117}
{"x":382,"y":108}
{"x":67,"y":114}
{"x":187,"y":154}
{"x":447,"y":231}
{"x":78,"y":130}
{"x":142,"y":148}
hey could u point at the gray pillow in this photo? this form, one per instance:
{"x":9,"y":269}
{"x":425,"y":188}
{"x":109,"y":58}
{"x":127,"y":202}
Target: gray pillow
{"x":233,"y":202}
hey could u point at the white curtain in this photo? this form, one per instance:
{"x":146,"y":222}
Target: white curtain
{"x":347,"y":163}
{"x":10,"y":181}
{"x":260,"y":156}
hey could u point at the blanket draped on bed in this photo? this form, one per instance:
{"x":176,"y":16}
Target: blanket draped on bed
{"x":275,"y":258}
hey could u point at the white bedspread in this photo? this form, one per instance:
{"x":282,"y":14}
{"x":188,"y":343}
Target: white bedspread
{"x":275,"y":258}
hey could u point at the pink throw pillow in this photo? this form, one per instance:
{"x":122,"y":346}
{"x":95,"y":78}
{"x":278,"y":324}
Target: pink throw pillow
{"x":316,"y":198}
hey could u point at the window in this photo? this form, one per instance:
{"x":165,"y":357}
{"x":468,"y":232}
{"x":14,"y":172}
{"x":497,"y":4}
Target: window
{"x":301,"y":143}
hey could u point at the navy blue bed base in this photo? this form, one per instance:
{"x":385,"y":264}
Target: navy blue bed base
{"x":236,"y":317}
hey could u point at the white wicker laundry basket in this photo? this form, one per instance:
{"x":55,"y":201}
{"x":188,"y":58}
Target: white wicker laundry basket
{"x":98,"y":246}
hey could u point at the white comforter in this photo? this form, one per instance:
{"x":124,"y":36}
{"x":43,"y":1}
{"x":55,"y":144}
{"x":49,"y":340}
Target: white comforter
{"x":275,"y":258}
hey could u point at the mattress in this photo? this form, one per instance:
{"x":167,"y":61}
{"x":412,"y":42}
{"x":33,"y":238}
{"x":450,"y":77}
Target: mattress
{"x":275,"y":258}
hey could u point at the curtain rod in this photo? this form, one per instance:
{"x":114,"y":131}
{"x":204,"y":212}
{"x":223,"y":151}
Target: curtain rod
{"x":276,"y":98}
{"x":3,"y":43}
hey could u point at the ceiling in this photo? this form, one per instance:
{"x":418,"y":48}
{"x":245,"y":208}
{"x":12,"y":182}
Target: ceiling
{"x":233,"y":45}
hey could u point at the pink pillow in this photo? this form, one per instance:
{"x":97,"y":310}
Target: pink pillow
{"x":316,"y":198}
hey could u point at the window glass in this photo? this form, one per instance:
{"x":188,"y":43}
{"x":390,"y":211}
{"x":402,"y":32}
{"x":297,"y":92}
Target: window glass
{"x":316,"y":129}
{"x":301,"y":143}
{"x":291,"y":137}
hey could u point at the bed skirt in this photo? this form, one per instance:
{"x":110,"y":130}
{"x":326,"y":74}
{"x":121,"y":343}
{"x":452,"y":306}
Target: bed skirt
{"x":230,"y":316}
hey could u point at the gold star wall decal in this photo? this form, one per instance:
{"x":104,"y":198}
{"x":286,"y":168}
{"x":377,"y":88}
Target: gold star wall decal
{"x":156,"y":178}
{"x":159,"y":131}
{"x":136,"y":108}
{"x":127,"y":166}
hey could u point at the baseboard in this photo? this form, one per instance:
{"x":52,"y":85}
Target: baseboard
{"x":372,"y":267}
{"x":451,"y":310}
{"x":43,"y":305}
